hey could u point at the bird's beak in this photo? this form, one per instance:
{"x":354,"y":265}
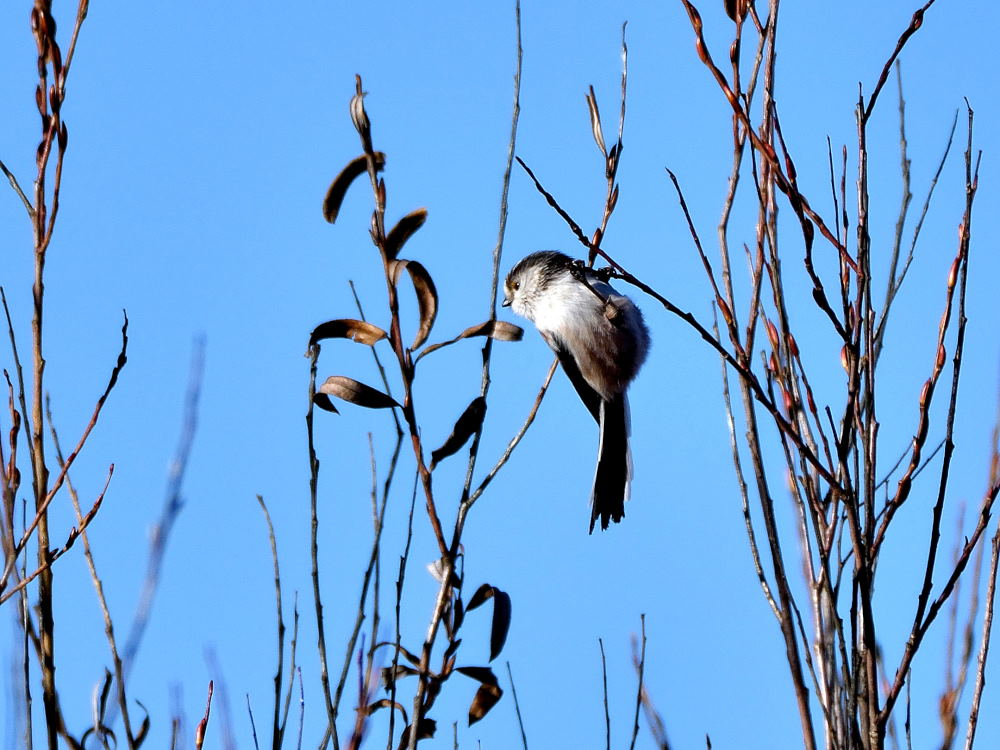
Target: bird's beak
{"x":506,"y":302}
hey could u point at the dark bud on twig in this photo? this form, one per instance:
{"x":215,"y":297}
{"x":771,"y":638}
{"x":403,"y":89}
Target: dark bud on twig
{"x":727,"y":315}
{"x":199,"y":732}
{"x":736,"y":10}
{"x":403,"y":230}
{"x":338,"y":188}
{"x":355,"y":392}
{"x":772,"y":335}
{"x":953,"y":272}
{"x":793,"y":347}
{"x":427,"y":299}
{"x":466,"y":426}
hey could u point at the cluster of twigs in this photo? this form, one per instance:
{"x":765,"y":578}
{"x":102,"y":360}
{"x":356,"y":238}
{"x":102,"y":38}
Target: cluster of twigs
{"x":29,"y":410}
{"x":844,"y":511}
{"x":451,"y":604}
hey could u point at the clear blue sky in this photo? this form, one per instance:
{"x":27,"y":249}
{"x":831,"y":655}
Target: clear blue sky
{"x":202,"y":139}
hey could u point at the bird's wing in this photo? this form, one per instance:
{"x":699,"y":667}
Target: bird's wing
{"x":591,"y":399}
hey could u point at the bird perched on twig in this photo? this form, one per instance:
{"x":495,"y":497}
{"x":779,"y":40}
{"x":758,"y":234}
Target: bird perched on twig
{"x":601,"y":341}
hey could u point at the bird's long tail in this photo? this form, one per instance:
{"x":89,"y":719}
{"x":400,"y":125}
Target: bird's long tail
{"x":614,"y":464}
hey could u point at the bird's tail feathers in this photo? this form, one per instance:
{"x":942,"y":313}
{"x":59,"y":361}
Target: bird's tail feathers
{"x":613,"y":476}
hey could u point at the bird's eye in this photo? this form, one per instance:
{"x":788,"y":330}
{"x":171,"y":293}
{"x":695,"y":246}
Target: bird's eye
{"x":516,"y":285}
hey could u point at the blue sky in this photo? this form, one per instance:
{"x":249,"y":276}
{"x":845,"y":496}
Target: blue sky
{"x":202,"y":140}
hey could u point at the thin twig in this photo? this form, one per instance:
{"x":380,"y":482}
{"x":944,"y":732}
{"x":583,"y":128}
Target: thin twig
{"x":517,"y":708}
{"x":604,"y":682}
{"x":277,"y":726}
{"x":173,"y":502}
{"x":640,"y":668}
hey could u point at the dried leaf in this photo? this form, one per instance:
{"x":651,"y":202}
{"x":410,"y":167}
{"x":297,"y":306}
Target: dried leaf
{"x":452,"y":648}
{"x":465,"y":427}
{"x":105,"y":692}
{"x":427,"y":300}
{"x":501,"y":615}
{"x":487,"y":696}
{"x":480,"y":674}
{"x":390,"y":675}
{"x":500,"y":330}
{"x":338,"y":188}
{"x":595,"y":121}
{"x":323,"y":402}
{"x":385,"y":703}
{"x":143,"y":728}
{"x":425,"y":731}
{"x":347,"y":328}
{"x":437,"y":570}
{"x":403,"y":230}
{"x":352,"y":391}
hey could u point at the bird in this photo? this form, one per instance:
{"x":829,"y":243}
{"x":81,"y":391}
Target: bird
{"x":601,"y":340}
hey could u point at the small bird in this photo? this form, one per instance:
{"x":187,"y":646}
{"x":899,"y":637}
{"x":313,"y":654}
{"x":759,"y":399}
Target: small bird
{"x":601,"y":341}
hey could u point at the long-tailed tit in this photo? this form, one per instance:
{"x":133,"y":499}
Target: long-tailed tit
{"x":601,"y":341}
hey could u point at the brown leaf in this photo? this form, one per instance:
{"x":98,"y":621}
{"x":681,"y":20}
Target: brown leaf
{"x":338,"y":188}
{"x":487,"y":696}
{"x":501,"y":615}
{"x":390,"y":675}
{"x":465,"y":428}
{"x":480,"y":674}
{"x":427,"y":300}
{"x":385,"y":703}
{"x":352,"y":391}
{"x":323,"y":402}
{"x":425,"y":731}
{"x":403,"y":230}
{"x":347,"y":328}
{"x":500,"y":330}
{"x":595,"y":121}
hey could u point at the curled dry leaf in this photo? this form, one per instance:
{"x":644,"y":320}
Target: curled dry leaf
{"x":501,"y":615}
{"x":352,"y":391}
{"x":425,"y":731}
{"x":487,"y":696}
{"x":465,"y":427}
{"x":427,"y":299}
{"x":143,"y":732}
{"x":437,"y":570}
{"x":347,"y":328}
{"x":390,"y":674}
{"x":386,"y":703}
{"x":595,"y":121}
{"x":323,"y":402}
{"x":338,"y":188}
{"x":500,"y":330}
{"x":403,"y":230}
